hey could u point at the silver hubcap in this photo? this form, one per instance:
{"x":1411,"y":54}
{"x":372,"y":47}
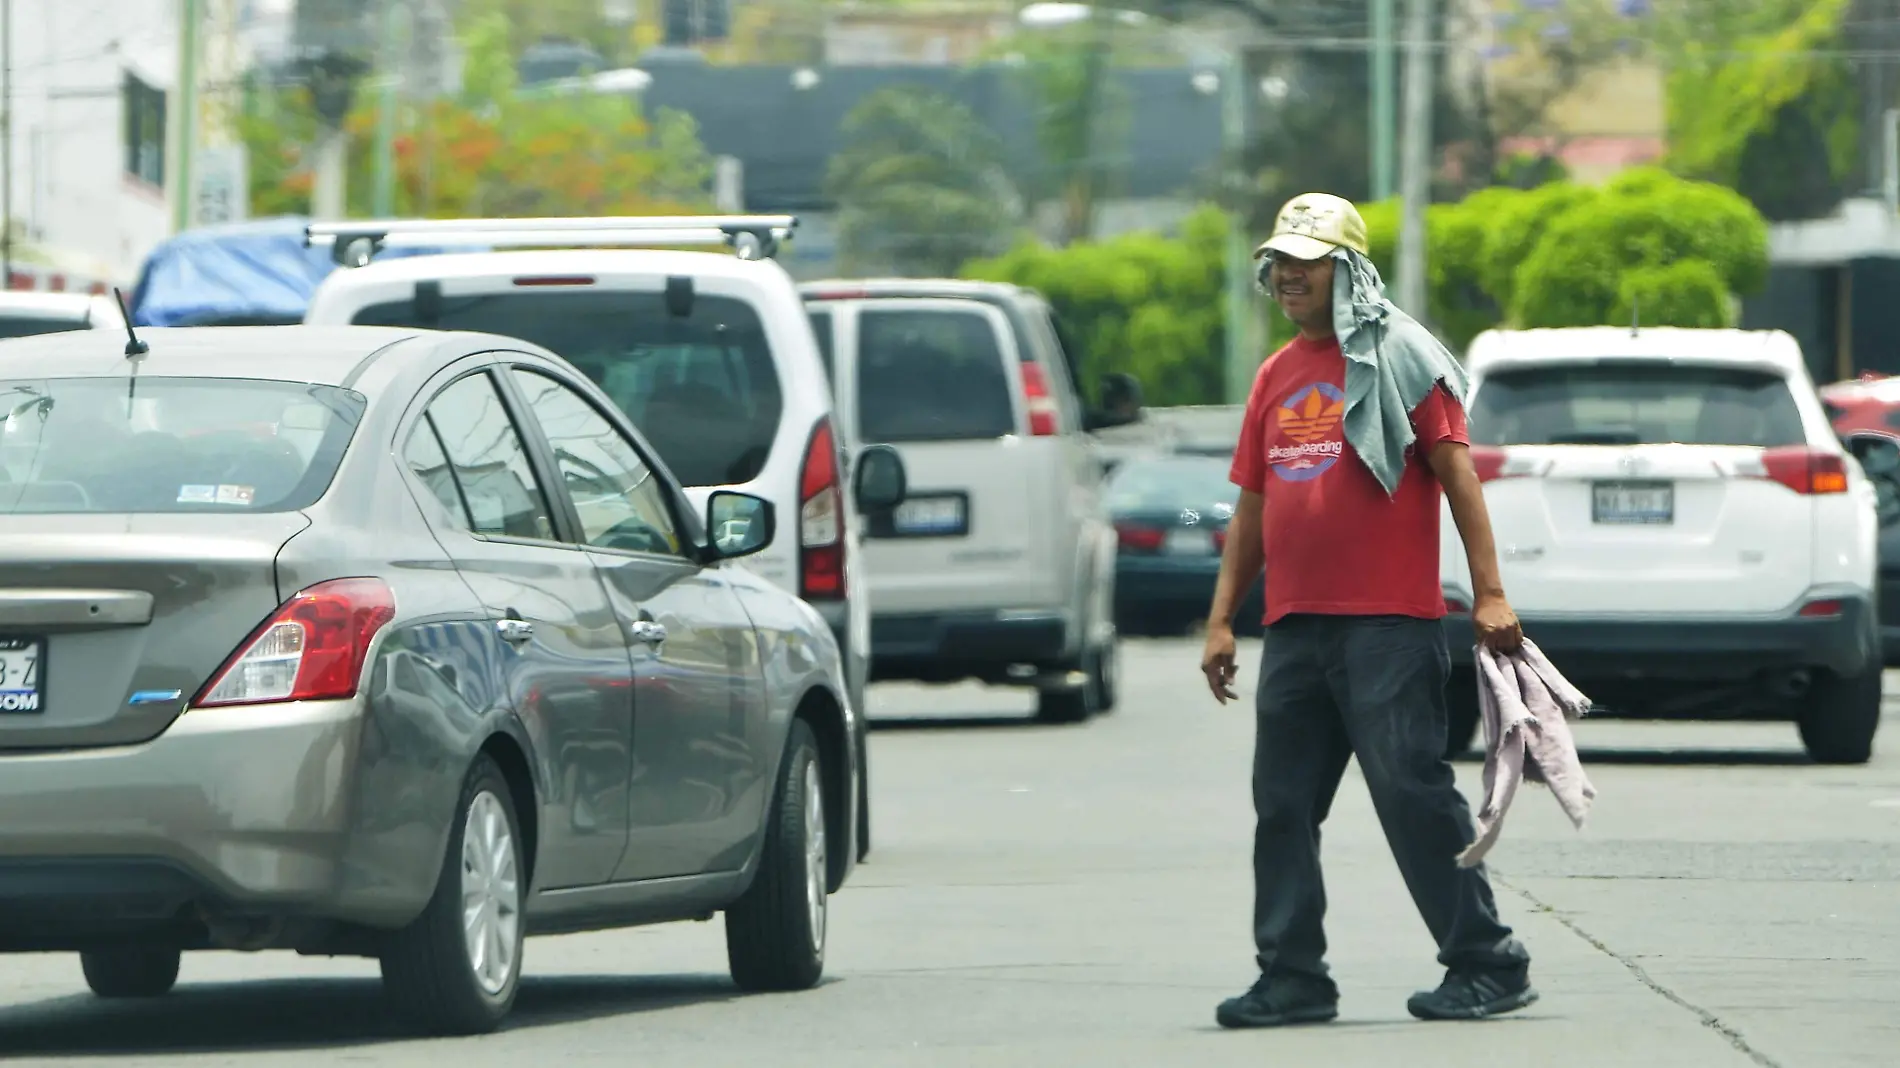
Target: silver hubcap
{"x":815,"y":859}
{"x":491,"y":893}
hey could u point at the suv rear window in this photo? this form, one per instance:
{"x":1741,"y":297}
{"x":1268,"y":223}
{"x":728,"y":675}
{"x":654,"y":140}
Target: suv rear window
{"x":177,"y":445}
{"x":931,"y":376}
{"x":1635,"y":403}
{"x":704,"y":389}
{"x":29,"y":325}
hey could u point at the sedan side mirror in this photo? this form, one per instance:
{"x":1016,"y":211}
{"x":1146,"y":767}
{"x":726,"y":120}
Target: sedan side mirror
{"x":881,"y":483}
{"x":738,"y":524}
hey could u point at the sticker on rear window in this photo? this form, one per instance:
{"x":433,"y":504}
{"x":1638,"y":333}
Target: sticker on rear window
{"x":228,"y":494}
{"x":197,"y":494}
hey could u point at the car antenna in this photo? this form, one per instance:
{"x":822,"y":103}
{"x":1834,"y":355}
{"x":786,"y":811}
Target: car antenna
{"x":133,"y":346}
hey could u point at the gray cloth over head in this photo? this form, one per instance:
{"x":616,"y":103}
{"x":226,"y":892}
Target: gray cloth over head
{"x":1392,"y":363}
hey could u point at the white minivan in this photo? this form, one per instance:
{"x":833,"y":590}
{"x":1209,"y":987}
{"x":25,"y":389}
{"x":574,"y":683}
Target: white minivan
{"x":710,"y":354}
{"x":999,"y":566}
{"x":1678,"y":527}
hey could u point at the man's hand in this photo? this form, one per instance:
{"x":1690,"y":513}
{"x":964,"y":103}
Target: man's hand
{"x":1497,"y":625}
{"x":1217,"y":663}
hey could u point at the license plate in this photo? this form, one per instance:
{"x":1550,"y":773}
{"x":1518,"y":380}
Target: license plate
{"x":20,"y":663}
{"x":1638,"y":503}
{"x":1189,"y":542}
{"x":928,"y":516}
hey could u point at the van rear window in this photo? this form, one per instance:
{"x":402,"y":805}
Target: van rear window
{"x":931,"y":376}
{"x":1634,"y":403}
{"x":703,"y":389}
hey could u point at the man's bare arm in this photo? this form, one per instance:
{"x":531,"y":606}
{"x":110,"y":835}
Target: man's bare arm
{"x":1240,"y":562}
{"x":1491,"y":614}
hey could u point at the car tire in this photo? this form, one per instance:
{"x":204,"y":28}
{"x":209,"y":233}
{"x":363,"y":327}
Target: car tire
{"x":1108,"y":671}
{"x":131,"y":972}
{"x":434,"y":972}
{"x":775,"y":933}
{"x":1078,"y":704}
{"x":1839,"y":717}
{"x":1461,"y":712}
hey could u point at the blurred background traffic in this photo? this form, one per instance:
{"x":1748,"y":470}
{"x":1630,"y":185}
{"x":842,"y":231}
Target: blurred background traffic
{"x":1521,"y":163}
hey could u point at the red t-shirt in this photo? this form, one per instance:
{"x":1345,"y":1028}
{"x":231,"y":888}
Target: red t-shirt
{"x":1335,"y":543}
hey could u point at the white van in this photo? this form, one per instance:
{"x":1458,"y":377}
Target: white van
{"x":1000,"y":563}
{"x":710,"y":354}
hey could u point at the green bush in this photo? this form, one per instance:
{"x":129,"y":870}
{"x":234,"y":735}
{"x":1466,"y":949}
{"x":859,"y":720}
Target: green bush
{"x":1142,"y":303}
{"x":1685,"y":293}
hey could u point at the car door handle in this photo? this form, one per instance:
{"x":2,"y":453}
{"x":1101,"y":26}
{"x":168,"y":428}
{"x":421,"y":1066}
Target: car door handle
{"x":514,"y":631}
{"x":646,"y":632}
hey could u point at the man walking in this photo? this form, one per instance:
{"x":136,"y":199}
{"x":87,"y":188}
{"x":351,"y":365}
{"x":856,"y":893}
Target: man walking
{"x":1351,"y":431}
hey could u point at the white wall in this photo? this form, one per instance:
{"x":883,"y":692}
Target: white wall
{"x":71,"y":192}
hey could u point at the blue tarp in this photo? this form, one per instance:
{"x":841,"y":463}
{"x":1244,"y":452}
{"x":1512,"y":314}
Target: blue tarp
{"x":249,"y":272}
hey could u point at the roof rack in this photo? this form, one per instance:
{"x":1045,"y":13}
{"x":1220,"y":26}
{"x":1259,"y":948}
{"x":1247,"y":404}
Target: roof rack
{"x":354,"y":243}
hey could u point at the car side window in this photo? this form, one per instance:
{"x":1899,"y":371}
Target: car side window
{"x":489,"y":461}
{"x":423,"y":453}
{"x":620,"y":500}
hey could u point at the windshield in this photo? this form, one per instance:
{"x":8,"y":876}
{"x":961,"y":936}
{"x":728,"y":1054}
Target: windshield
{"x":931,"y":376}
{"x":16,"y":325}
{"x":703,"y":388}
{"x":155,"y":444}
{"x":1170,"y":485}
{"x":1634,"y":403}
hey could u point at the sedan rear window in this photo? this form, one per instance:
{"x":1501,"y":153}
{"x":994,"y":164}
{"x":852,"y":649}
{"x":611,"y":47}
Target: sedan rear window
{"x":1635,"y":403}
{"x":931,"y":376}
{"x":703,"y":388}
{"x":151,"y":444}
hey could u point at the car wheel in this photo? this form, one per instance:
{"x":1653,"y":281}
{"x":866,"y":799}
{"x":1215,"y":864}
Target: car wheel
{"x":1076,"y":705}
{"x":456,"y":969}
{"x":1461,"y":712}
{"x":1839,"y":717}
{"x":775,"y":933}
{"x":136,"y":972}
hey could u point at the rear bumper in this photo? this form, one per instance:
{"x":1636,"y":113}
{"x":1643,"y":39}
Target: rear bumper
{"x":1693,"y":649}
{"x":233,"y":811}
{"x":945,"y":646}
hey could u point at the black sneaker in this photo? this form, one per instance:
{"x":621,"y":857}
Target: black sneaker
{"x":1279,"y":1001}
{"x":1473,"y":996}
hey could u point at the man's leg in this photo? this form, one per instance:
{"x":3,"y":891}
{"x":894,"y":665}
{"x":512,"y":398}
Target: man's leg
{"x":1388,"y":675}
{"x":1300,"y":753}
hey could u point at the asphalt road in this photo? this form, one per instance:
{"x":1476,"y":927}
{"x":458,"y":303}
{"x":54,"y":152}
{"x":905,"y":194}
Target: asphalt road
{"x":1079,"y":896}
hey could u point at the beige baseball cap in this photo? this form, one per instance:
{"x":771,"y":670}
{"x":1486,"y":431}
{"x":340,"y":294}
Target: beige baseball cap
{"x":1312,"y":225}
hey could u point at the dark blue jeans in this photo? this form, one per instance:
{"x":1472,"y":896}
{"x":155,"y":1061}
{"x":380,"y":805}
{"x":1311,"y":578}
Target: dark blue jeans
{"x":1335,"y":687}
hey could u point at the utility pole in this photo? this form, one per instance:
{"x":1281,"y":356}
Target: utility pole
{"x":1415,"y":176}
{"x":187,"y":90}
{"x":392,"y":51}
{"x":1241,"y":358}
{"x":6,"y":144}
{"x":1382,"y":99}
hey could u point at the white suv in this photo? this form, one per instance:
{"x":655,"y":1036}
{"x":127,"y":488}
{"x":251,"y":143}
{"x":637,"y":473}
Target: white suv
{"x":711,"y":356}
{"x":1678,"y":528}
{"x":1000,"y":564}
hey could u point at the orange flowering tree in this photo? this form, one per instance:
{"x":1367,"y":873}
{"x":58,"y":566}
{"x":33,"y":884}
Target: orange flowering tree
{"x":494,"y":151}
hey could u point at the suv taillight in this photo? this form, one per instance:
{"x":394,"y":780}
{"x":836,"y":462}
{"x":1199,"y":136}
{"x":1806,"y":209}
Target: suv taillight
{"x":820,"y":520}
{"x":1488,"y":461}
{"x":1806,"y":470}
{"x":1043,"y":420}
{"x":312,"y":649}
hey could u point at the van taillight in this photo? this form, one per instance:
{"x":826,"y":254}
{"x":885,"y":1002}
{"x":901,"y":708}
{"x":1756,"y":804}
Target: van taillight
{"x":311,"y":649}
{"x":820,"y":520}
{"x":1806,"y":470}
{"x":1042,"y":407}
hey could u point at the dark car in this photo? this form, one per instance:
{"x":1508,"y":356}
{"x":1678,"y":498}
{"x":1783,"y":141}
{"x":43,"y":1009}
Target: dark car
{"x":1171,"y":514}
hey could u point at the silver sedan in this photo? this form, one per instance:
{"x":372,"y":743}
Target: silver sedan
{"x":391,"y":643}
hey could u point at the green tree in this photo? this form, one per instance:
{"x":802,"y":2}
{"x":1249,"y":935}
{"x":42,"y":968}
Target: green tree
{"x":920,"y":186}
{"x":1141,"y":303}
{"x":495,"y":151}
